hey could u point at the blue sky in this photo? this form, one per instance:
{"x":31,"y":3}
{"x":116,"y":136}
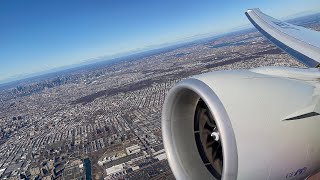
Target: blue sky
{"x":36,"y":36}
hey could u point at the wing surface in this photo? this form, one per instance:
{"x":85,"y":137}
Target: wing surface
{"x":301,"y":43}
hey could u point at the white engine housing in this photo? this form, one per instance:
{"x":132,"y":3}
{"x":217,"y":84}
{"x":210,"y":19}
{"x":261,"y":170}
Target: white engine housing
{"x":269,"y":125}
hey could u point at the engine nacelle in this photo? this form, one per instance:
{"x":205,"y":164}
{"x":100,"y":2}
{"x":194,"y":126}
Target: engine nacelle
{"x":244,"y":124}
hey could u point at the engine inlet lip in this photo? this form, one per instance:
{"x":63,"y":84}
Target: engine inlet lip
{"x":230,"y":160}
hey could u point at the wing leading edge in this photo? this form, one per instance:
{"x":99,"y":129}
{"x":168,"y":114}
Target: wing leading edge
{"x":301,"y":43}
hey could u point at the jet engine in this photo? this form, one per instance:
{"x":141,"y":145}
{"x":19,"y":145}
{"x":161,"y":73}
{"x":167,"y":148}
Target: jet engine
{"x":262,"y":123}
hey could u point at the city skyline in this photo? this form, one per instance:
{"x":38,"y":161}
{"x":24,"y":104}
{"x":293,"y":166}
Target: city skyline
{"x":39,"y":37}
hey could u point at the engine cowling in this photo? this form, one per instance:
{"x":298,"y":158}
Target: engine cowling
{"x":243,"y":124}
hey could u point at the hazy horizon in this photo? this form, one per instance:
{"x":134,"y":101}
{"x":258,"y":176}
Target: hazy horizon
{"x":30,"y":57}
{"x":111,"y":57}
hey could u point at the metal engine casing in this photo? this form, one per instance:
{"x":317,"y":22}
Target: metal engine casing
{"x":265,"y":132}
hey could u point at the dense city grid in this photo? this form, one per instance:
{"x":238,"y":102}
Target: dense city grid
{"x":105,"y":121}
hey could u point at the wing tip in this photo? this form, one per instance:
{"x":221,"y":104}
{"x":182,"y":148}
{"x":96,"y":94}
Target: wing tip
{"x":252,"y":10}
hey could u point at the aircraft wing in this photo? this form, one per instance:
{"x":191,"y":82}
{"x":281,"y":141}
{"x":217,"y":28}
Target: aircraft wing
{"x":301,"y":43}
